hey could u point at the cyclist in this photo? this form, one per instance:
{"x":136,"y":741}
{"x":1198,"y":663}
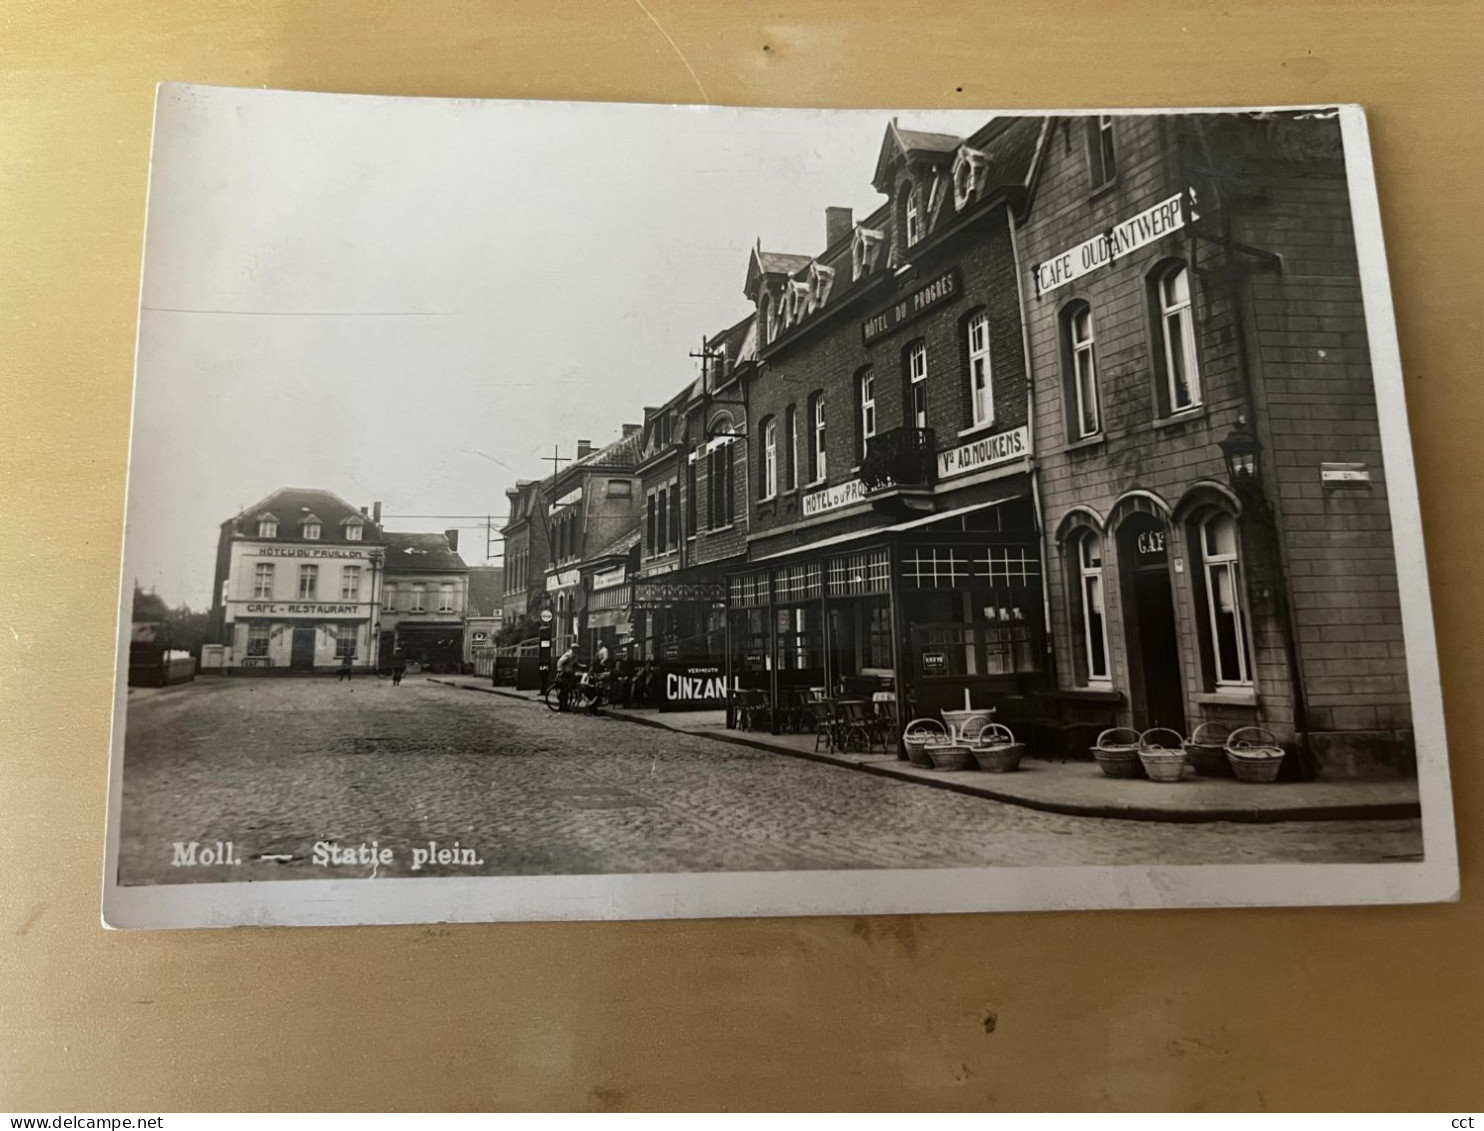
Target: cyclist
{"x":567,"y":668}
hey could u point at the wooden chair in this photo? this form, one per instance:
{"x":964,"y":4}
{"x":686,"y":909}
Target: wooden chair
{"x":857,"y":726}
{"x":823,"y":712}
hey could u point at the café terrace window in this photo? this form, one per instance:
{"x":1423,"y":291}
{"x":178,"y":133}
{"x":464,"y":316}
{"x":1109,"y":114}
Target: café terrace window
{"x":258,"y":634}
{"x":1225,"y":647}
{"x":1086,"y":551}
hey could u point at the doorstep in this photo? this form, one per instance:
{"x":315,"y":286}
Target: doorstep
{"x":1075,"y":788}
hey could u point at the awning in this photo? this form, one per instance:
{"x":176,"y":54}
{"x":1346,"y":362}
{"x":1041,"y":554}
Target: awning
{"x":866,"y":535}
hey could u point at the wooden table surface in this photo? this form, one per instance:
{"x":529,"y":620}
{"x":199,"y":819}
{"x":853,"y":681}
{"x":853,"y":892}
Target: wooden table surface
{"x":1338,"y":1008}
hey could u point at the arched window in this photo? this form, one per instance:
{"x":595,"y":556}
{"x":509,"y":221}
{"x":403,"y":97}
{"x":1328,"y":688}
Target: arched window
{"x":981,"y":386}
{"x":1174,"y":340}
{"x":817,"y":466}
{"x":768,"y":468}
{"x":916,"y":375}
{"x":1227,"y":651}
{"x":1086,"y":550}
{"x":1080,"y":358}
{"x":865,"y":396}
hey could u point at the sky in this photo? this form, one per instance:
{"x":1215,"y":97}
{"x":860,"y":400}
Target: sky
{"x":413,"y":301}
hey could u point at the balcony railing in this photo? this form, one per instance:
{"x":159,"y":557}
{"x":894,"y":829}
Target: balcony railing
{"x":903,"y":457}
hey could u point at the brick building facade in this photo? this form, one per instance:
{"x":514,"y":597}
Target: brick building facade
{"x":1183,"y":593}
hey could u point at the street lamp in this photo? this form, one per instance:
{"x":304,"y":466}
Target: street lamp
{"x":1242,"y":451}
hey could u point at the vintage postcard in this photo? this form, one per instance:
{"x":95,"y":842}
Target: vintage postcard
{"x":582,"y":511}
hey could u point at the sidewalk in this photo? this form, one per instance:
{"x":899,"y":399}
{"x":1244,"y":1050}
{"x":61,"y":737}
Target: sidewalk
{"x":1076,"y":788}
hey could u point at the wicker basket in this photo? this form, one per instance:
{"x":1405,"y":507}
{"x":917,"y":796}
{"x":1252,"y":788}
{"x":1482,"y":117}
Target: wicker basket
{"x":1255,"y":754}
{"x":1205,"y":751}
{"x":915,"y":738}
{"x":962,"y":723}
{"x":995,"y":750}
{"x":1162,"y":754}
{"x":1117,"y":753}
{"x":950,"y":755}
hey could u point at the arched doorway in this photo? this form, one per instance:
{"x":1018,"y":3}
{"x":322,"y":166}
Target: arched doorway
{"x":1156,"y":684}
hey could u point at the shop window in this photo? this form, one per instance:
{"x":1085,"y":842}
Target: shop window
{"x":419,"y":599}
{"x":768,"y":468}
{"x":855,"y":574}
{"x":936,"y":567}
{"x":915,"y":370}
{"x":817,"y":466}
{"x":258,"y":635}
{"x":800,"y":638}
{"x":1179,"y":381}
{"x":353,"y":530}
{"x":1079,"y":356}
{"x":445,"y":597}
{"x":345,"y":642}
{"x":790,"y":448}
{"x":389,"y":598}
{"x":1085,"y":549}
{"x":803,"y":582}
{"x":308,"y":582}
{"x":1102,"y":161}
{"x":1225,"y":648}
{"x":262,"y":581}
{"x":981,"y":384}
{"x":350,"y":583}
{"x":267,"y":527}
{"x":865,"y":396}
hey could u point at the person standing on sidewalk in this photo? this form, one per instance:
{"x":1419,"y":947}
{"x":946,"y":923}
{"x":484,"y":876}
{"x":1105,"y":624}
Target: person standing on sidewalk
{"x":345,"y":666}
{"x":399,"y":668}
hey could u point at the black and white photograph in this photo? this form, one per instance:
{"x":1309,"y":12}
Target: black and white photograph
{"x":588,"y":511}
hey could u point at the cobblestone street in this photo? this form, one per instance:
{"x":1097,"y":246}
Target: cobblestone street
{"x":275,"y":765}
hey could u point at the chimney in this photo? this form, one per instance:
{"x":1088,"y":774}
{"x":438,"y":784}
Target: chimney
{"x":376,"y":512}
{"x":838,"y":223}
{"x":631,"y":429}
{"x":453,"y":539}
{"x":365,"y":512}
{"x":584,"y":449}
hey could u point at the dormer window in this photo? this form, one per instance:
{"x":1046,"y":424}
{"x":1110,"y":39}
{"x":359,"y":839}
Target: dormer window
{"x":912,"y":215}
{"x":310,"y":529}
{"x":821,"y":279}
{"x":798,"y":294}
{"x":865,"y":251}
{"x":969,"y":172}
{"x":765,"y":317}
{"x":267,"y":526}
{"x":353,"y":530}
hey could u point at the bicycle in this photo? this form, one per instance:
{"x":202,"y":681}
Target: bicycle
{"x":559,"y":693}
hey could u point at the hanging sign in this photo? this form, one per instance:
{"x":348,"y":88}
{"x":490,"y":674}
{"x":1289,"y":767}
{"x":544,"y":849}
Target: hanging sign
{"x":999,"y":448}
{"x":1104,"y":248}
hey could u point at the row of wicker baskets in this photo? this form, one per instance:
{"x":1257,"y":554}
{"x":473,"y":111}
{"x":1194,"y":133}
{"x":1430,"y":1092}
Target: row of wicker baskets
{"x":977,"y":743}
{"x":1251,"y":754}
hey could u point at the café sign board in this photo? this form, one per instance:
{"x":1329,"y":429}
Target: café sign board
{"x":300,"y":609}
{"x":833,"y":498}
{"x":946,"y":286}
{"x":998,"y":448}
{"x":694,"y":686}
{"x":1104,"y":248}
